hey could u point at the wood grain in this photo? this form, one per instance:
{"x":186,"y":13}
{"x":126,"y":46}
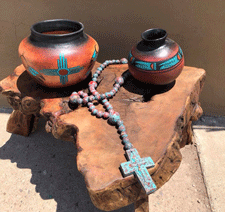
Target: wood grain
{"x":157,"y":118}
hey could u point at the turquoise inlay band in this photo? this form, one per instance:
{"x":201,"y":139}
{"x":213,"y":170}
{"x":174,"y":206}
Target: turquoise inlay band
{"x":151,"y":66}
{"x":88,"y":73}
{"x":94,"y":56}
{"x":63,"y":71}
{"x":32,"y":71}
{"x":169,"y":63}
{"x":143,"y":65}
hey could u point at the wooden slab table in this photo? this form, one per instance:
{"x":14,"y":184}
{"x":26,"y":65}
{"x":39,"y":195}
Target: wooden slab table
{"x":157,"y":118}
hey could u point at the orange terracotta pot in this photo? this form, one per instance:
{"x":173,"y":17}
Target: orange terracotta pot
{"x":58,"y":53}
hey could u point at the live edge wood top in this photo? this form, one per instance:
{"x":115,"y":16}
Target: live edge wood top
{"x":157,"y":119}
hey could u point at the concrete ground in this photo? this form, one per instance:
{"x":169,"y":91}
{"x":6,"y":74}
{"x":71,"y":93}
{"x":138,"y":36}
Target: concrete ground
{"x":39,"y":173}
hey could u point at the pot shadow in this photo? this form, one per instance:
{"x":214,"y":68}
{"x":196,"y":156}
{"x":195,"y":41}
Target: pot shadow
{"x":30,"y":87}
{"x":54,"y":170}
{"x":146,"y":90}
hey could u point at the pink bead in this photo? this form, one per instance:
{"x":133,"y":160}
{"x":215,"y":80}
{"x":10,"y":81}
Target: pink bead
{"x":85,"y":100}
{"x":111,"y":111}
{"x":120,"y":80}
{"x":97,"y":97}
{"x":93,"y":83}
{"x":91,"y":98}
{"x":105,"y":115}
{"x":95,"y":93}
{"x":117,"y":85}
{"x":80,"y":93}
{"x":99,"y":114}
{"x":85,"y":95}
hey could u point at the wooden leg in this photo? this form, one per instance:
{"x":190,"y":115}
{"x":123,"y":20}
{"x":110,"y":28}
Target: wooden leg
{"x":142,"y":205}
{"x":197,"y":113}
{"x":21,"y":124}
{"x":187,"y":135}
{"x":34,"y":124}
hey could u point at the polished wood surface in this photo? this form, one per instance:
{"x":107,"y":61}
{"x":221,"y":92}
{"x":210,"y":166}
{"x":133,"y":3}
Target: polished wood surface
{"x":157,"y":118}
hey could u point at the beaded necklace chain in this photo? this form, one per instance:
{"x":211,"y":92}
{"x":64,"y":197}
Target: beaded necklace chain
{"x":135,"y":164}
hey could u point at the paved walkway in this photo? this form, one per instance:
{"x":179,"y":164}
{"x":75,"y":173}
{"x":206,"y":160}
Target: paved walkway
{"x":39,"y":173}
{"x":210,"y":139}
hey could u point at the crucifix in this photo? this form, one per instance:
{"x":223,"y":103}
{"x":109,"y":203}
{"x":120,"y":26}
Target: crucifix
{"x":138,"y":167}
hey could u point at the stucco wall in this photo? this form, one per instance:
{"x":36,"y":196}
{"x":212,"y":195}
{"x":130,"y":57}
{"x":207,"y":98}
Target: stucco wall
{"x":197,"y":26}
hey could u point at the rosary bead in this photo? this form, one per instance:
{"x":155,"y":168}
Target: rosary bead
{"x":80,"y":93}
{"x":93,"y":83}
{"x":79,"y":101}
{"x":114,"y":90}
{"x":98,"y":72}
{"x":107,"y":95}
{"x":114,"y":117}
{"x":99,"y":114}
{"x":111,"y":111}
{"x":119,"y":80}
{"x":128,"y":146}
{"x":89,"y":104}
{"x":95,"y":75}
{"x":105,"y":115}
{"x":113,"y":61}
{"x":124,"y":135}
{"x":98,"y":96}
{"x":111,"y":93}
{"x":73,"y":98}
{"x":94,"y":111}
{"x":94,"y":79}
{"x":74,"y":93}
{"x":73,"y":101}
{"x":105,"y":64}
{"x":117,"y":86}
{"x":102,"y":66}
{"x":117,"y":61}
{"x":102,"y":96}
{"x":123,"y":60}
{"x":95,"y":93}
{"x":84,"y":95}
{"x":121,"y":128}
{"x":85,"y":100}
{"x":99,"y":68}
{"x":125,"y":140}
{"x":109,"y":107}
{"x":91,"y":107}
{"x":91,"y":98}
{"x":104,"y":101}
{"x":92,"y":89}
{"x":119,"y":122}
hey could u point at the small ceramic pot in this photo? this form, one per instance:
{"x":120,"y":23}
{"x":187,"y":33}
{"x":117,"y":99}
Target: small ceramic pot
{"x":58,"y":53}
{"x":156,"y":59}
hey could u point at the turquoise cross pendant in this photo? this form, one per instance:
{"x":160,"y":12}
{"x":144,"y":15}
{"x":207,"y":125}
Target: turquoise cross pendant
{"x":138,"y":167}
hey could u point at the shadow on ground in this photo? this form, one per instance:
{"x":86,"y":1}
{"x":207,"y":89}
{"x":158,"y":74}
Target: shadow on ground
{"x":54,"y":170}
{"x":210,"y":124}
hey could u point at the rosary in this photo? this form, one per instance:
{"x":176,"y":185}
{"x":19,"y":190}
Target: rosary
{"x":135,"y":164}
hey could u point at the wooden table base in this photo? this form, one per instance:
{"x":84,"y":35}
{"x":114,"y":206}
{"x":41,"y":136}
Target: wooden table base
{"x":157,"y":118}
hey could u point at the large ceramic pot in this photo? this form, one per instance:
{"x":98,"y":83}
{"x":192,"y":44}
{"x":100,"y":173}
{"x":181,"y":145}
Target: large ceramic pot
{"x":58,"y":53}
{"x":156,"y":59}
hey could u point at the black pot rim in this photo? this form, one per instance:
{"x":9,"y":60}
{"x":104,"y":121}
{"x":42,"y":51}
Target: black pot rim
{"x":38,"y":28}
{"x":148,"y":31}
